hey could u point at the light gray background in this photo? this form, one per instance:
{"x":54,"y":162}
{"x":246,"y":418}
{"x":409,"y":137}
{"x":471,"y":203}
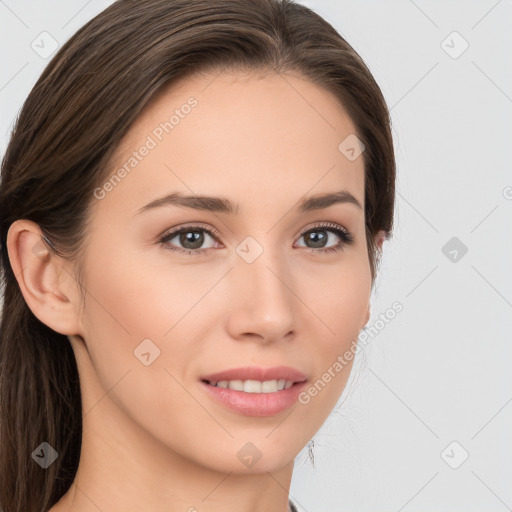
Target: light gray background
{"x":440,"y":371}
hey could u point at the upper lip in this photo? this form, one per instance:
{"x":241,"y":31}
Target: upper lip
{"x":257,"y":373}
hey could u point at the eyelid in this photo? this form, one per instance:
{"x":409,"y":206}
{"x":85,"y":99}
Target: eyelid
{"x":190,"y":226}
{"x":324,"y":225}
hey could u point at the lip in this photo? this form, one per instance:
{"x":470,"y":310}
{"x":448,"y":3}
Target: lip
{"x":255,"y":404}
{"x":257,"y":373}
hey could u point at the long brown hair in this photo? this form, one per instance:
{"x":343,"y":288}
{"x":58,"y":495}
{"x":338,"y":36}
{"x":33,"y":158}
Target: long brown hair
{"x":59,"y":152}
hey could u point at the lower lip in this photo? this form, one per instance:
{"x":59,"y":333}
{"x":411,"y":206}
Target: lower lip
{"x":256,"y":404}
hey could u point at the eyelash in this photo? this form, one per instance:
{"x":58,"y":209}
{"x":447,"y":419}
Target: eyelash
{"x":346,"y":237}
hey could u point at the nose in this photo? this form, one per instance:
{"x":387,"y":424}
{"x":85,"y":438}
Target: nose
{"x":264,"y":306}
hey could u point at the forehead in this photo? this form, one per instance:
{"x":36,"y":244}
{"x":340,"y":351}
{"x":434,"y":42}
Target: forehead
{"x":238,"y":134}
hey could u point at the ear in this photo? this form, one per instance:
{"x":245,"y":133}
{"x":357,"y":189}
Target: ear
{"x":47,"y":285}
{"x":380,"y":237}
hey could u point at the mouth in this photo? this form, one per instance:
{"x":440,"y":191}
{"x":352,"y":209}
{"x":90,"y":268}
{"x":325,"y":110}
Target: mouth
{"x":254,"y":398}
{"x":255,"y":391}
{"x":255,"y":379}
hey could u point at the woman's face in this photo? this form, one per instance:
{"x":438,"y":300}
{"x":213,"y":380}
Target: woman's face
{"x":252,"y":287}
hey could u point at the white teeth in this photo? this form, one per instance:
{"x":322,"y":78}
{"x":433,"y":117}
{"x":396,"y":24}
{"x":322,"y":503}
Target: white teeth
{"x":237,"y":385}
{"x":254,"y":386}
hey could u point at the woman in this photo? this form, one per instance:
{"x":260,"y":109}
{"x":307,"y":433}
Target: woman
{"x":193,"y":205}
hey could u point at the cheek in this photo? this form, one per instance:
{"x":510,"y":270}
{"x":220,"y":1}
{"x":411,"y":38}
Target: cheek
{"x":341,"y":308}
{"x":140,"y":297}
{"x":129,"y":301}
{"x":131,"y":296}
{"x":338,"y":294}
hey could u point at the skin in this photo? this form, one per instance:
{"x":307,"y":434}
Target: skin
{"x":152,"y":438}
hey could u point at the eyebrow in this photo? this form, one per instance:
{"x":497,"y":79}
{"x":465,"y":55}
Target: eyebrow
{"x":223,"y":205}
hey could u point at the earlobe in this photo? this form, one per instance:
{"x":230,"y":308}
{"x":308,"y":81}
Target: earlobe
{"x":380,"y":237}
{"x":41,"y":277}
